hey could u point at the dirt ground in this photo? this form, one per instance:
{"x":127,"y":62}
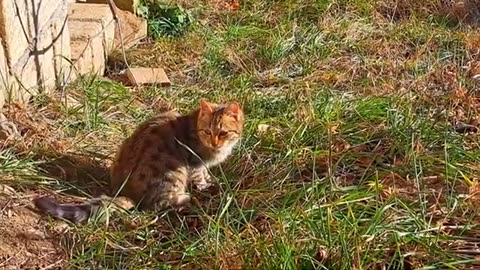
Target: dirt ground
{"x":26,"y":240}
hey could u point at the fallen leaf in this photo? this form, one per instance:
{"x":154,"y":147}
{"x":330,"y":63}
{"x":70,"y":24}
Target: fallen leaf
{"x":233,"y":5}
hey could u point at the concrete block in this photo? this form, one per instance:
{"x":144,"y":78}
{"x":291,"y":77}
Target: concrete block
{"x":30,"y":77}
{"x":4,"y":76}
{"x":41,"y":11}
{"x":100,"y":13}
{"x":82,"y":57}
{"x":41,"y":56}
{"x":35,"y":37}
{"x":133,"y":29}
{"x":47,"y":78}
{"x":24,"y":78}
{"x":14,"y":28}
{"x":127,"y":5}
{"x":21,"y":21}
{"x":61,"y":50}
{"x":91,"y":55}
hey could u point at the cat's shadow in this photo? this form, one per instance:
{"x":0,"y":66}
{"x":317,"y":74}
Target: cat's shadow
{"x":77,"y":174}
{"x":83,"y":175}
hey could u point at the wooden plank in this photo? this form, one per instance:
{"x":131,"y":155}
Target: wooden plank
{"x":148,"y":76}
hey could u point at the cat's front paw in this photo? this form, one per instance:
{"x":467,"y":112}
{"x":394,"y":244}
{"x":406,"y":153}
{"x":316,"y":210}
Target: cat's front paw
{"x":183,"y":200}
{"x":203,"y":185}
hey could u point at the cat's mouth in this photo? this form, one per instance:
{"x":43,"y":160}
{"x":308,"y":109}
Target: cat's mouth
{"x":216,"y":149}
{"x":220,"y":148}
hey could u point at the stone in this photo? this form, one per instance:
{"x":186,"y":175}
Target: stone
{"x":127,"y":5}
{"x":4,"y":76}
{"x":47,"y":80}
{"x":81,"y":57}
{"x":31,"y":30}
{"x":21,"y":21}
{"x":34,"y":71}
{"x":32,"y":76}
{"x":43,"y":56}
{"x":14,"y":28}
{"x":33,"y":234}
{"x":23,"y":78}
{"x":87,"y":47}
{"x":100,"y":13}
{"x":40,"y":13}
{"x":133,"y":29}
{"x":61,"y":52}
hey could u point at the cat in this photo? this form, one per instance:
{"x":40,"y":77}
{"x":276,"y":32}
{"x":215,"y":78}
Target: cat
{"x":154,"y":166}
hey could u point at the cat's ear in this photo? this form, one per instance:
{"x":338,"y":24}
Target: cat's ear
{"x":233,"y":109}
{"x":205,"y":107}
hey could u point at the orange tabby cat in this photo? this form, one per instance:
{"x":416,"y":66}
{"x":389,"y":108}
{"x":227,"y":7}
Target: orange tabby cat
{"x":164,"y":154}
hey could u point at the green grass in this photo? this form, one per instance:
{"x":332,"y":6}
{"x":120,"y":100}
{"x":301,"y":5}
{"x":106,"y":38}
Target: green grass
{"x":348,"y":160}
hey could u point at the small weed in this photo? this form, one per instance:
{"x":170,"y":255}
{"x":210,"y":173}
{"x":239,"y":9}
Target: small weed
{"x":165,"y":20}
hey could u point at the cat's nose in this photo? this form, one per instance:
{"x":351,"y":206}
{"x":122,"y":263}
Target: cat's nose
{"x":214,"y":141}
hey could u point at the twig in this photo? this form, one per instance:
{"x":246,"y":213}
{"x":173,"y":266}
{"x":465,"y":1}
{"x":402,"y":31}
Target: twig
{"x":466,"y":251}
{"x":50,"y":266}
{"x":113,"y":8}
{"x":5,"y":206}
{"x":4,"y":263}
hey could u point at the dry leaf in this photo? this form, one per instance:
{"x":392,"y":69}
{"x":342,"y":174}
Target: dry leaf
{"x":233,"y":5}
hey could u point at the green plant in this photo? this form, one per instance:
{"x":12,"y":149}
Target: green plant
{"x":164,"y":20}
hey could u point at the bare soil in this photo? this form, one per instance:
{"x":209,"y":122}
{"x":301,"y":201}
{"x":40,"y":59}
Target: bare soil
{"x":26,"y":242}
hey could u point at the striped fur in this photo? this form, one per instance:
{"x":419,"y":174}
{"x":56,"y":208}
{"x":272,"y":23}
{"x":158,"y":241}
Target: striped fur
{"x":78,"y":213}
{"x":164,"y":155}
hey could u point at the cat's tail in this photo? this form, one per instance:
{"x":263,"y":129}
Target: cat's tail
{"x":78,"y":213}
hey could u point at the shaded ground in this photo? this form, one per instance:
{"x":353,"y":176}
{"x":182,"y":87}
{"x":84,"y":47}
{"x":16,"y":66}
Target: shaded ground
{"x":27,"y":243}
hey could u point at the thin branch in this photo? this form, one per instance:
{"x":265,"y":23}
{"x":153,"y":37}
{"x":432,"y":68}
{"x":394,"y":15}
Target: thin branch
{"x":113,"y":8}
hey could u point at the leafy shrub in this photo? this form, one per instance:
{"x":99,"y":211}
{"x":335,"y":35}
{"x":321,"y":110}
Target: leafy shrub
{"x":164,"y":20}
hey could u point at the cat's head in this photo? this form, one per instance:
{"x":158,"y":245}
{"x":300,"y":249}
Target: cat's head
{"x":219,"y":126}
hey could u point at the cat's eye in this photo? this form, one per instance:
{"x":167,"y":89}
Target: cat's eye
{"x":222,"y":133}
{"x":207,"y":131}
